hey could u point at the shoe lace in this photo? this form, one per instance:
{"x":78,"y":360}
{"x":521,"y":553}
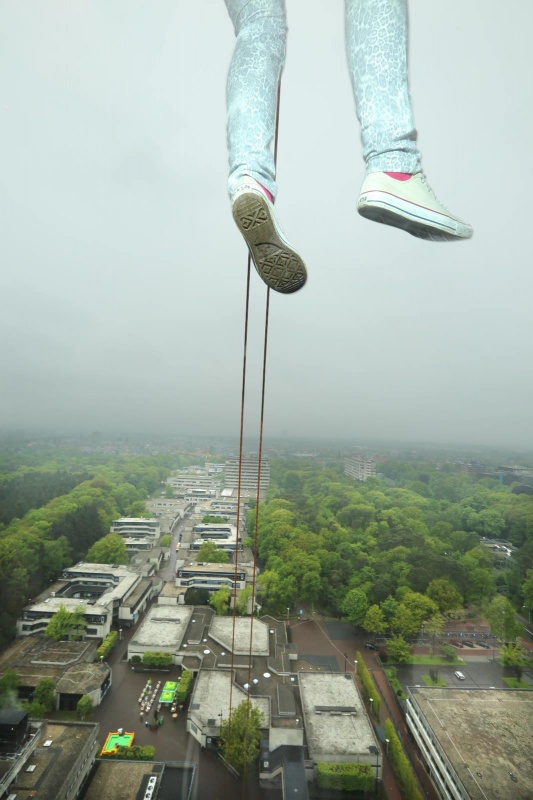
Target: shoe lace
{"x":425,"y":181}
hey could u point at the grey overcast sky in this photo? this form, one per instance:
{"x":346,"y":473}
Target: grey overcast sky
{"x":122,"y":275}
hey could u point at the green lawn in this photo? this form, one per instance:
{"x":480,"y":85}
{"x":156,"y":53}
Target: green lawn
{"x":515,"y":683}
{"x":429,"y":682}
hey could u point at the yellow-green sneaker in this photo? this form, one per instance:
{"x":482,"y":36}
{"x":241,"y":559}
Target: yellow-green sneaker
{"x":410,"y":205}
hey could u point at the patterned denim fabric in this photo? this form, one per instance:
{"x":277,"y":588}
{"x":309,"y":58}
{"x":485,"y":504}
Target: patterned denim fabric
{"x":376,"y":43}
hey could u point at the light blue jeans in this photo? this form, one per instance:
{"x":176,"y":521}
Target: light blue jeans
{"x":376,"y":46}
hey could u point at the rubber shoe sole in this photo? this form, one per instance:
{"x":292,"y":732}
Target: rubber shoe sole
{"x":381,"y":205}
{"x":277,"y":264}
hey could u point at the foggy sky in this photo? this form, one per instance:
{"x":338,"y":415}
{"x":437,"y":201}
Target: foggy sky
{"x":122,"y":276}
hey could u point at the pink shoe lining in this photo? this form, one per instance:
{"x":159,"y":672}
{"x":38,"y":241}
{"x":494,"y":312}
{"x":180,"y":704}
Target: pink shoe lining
{"x":399,"y":176}
{"x":268,"y":194}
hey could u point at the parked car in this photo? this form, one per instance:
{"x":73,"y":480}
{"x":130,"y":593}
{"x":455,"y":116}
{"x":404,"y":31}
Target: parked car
{"x":468,"y":644}
{"x":459,"y":675}
{"x":370,"y":646}
{"x":485,"y":645}
{"x":456,"y":644}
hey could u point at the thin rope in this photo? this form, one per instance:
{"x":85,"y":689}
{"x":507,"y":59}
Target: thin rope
{"x":257,"y":503}
{"x":241,"y":436}
{"x":259,"y":460}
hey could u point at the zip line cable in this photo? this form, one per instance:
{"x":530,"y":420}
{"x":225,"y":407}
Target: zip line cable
{"x":239,"y":480}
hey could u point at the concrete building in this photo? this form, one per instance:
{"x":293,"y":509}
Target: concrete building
{"x":163,"y":630}
{"x":142,"y":780}
{"x":337,"y":728}
{"x":194,"y":488}
{"x":360,"y":468}
{"x":197,"y":575}
{"x":138,"y":528}
{"x":214,"y":530}
{"x":210,"y":704}
{"x":72,"y":666}
{"x":109,"y":594}
{"x":249,"y":475}
{"x":52,"y":762}
{"x":214,"y":469}
{"x":476,"y":742}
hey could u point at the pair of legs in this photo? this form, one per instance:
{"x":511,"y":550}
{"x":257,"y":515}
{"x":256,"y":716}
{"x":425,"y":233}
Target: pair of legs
{"x":376,"y":45}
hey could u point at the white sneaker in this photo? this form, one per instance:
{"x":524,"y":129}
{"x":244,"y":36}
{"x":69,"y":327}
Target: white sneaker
{"x":275,"y":260}
{"x":411,"y":205}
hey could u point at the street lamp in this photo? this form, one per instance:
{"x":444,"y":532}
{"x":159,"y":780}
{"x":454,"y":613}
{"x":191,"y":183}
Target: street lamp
{"x":120,"y":634}
{"x":345,"y":657}
{"x":387,"y":742}
{"x":288,"y":614}
{"x":355,"y":665}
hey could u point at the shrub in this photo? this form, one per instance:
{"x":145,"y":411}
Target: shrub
{"x":400,"y":765}
{"x":345,"y":777}
{"x":107,"y":645}
{"x":134,"y":753}
{"x":157,"y":659}
{"x":84,"y":707}
{"x":36,"y":710}
{"x":135,"y":659}
{"x":184,"y":685}
{"x":369,"y":687}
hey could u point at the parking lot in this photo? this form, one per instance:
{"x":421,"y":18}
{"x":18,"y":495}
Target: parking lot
{"x":480,"y":673}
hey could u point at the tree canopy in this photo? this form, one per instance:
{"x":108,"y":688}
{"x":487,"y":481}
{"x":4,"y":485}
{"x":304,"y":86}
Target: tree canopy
{"x":211,"y":554}
{"x":110,"y":549}
{"x":240,"y":738}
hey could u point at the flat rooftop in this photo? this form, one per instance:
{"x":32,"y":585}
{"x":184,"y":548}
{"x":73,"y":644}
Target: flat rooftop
{"x":121,"y":780}
{"x":52,"y":604}
{"x":54,"y":763}
{"x":209,"y":567}
{"x":164,"y":626}
{"x":36,"y":657}
{"x":486,"y":734}
{"x":211,"y":697}
{"x":221,"y":630}
{"x":117,"y":570}
{"x":335,"y":720}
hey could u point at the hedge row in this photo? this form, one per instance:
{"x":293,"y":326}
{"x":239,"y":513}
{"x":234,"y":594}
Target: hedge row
{"x":157,"y":659}
{"x":401,"y":765}
{"x":369,"y":687}
{"x":135,"y":753}
{"x":345,"y":777}
{"x":107,"y":645}
{"x":184,"y":685}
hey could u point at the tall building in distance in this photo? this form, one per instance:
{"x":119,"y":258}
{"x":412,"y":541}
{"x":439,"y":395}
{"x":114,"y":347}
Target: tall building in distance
{"x":360,"y":468}
{"x":249,"y":475}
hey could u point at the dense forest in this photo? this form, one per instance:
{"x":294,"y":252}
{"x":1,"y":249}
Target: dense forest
{"x":391,"y":553}
{"x":53,"y":512}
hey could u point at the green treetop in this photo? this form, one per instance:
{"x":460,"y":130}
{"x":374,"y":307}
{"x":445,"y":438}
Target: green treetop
{"x":111,"y":549}
{"x":210,"y":554}
{"x":240,"y":738}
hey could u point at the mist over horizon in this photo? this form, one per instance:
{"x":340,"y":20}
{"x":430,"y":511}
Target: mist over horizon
{"x":123,"y":279}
